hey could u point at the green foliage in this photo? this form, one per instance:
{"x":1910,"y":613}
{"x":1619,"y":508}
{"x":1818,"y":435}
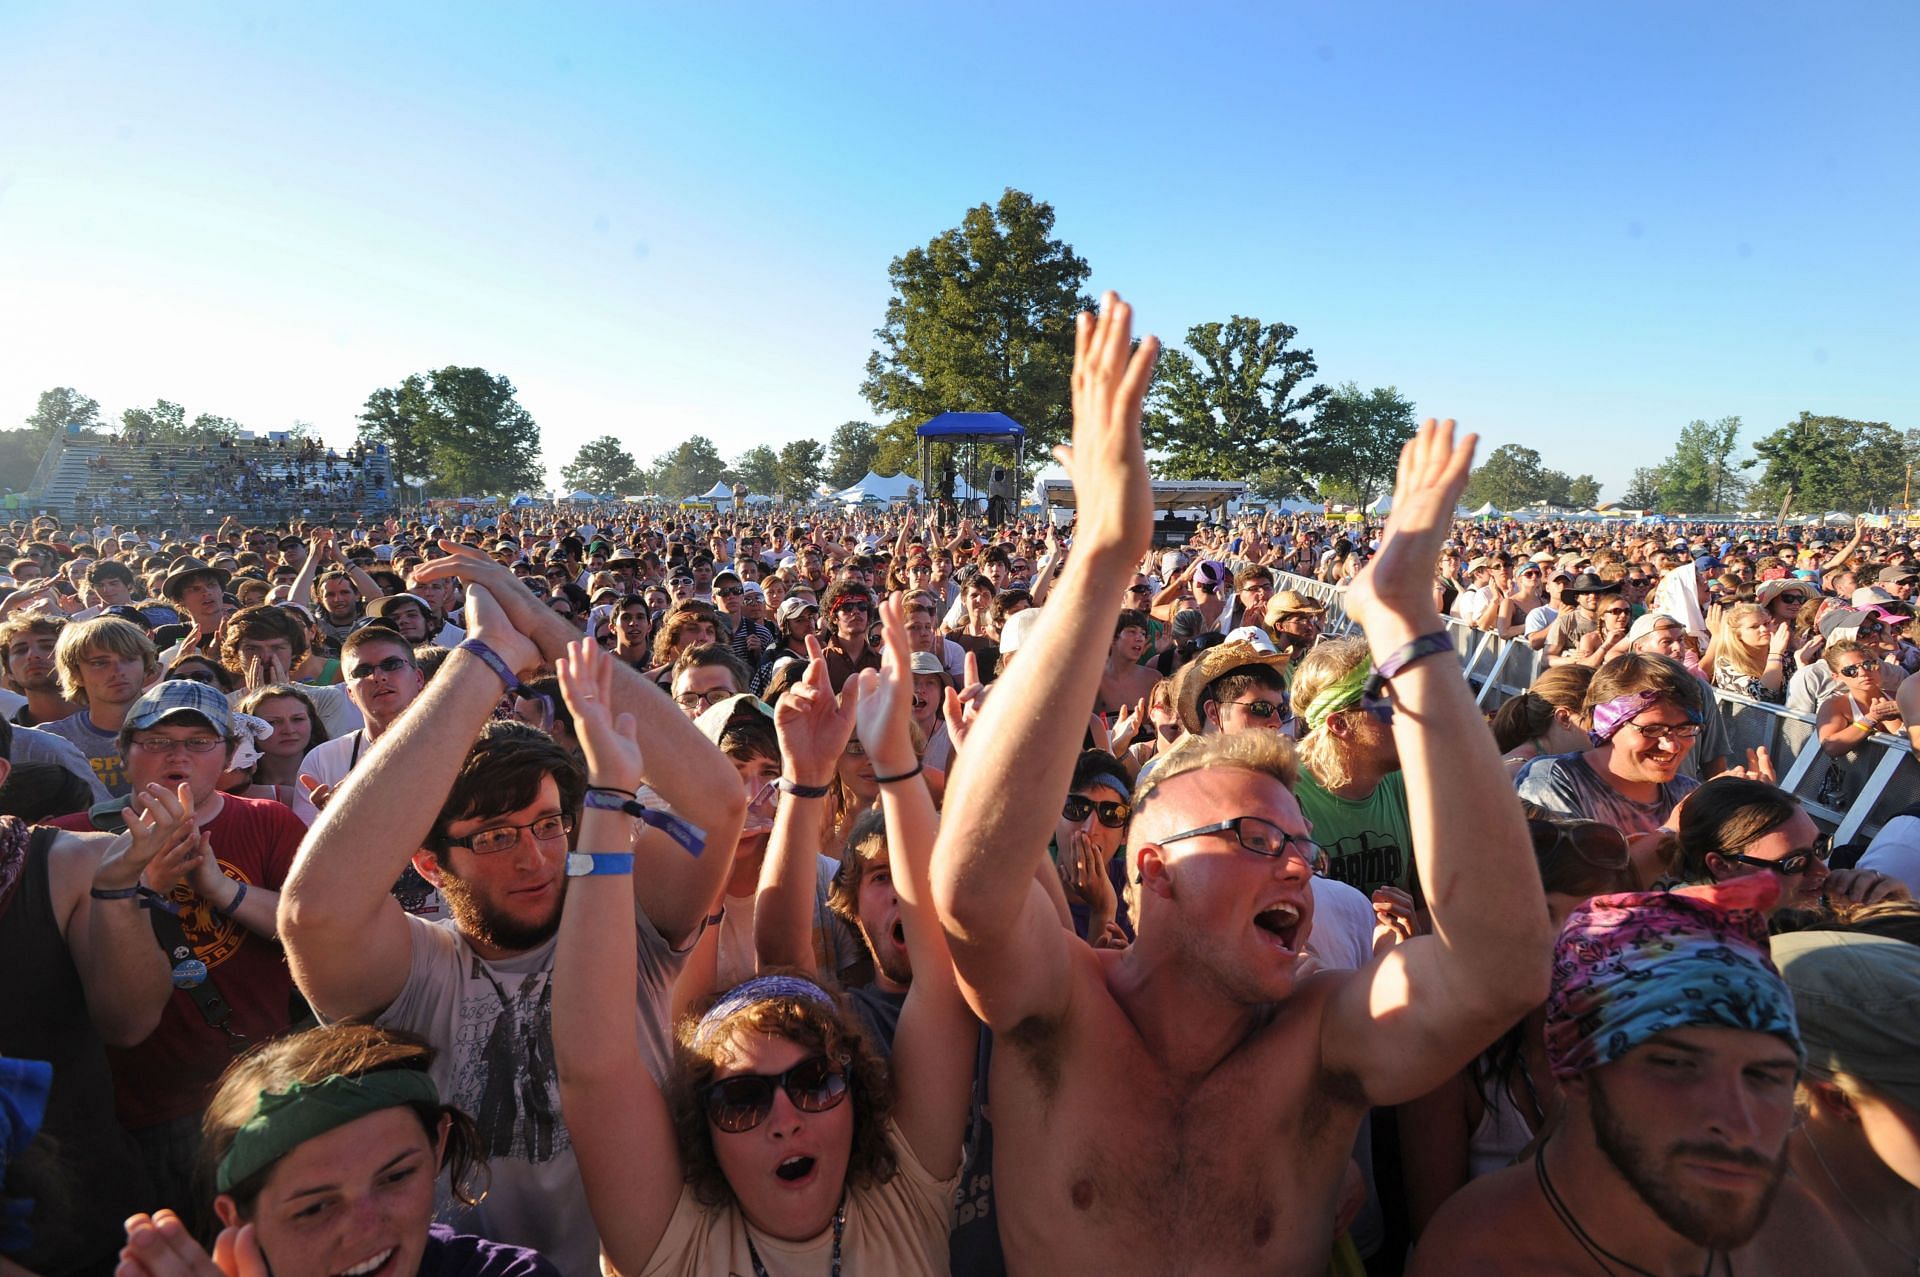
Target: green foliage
{"x":20,"y":454}
{"x":165,"y":422}
{"x":1583,"y":492}
{"x":1354,"y":446}
{"x":759,"y":469}
{"x":981,"y":320}
{"x":602,"y":466}
{"x":851,"y":452}
{"x":1644,"y":492}
{"x":802,"y":463}
{"x":1700,"y":477}
{"x":206,"y":426}
{"x":1513,"y":477}
{"x":462,"y":428}
{"x":1228,"y":409}
{"x":61,"y":407}
{"x":688,"y":470}
{"x":1833,"y":463}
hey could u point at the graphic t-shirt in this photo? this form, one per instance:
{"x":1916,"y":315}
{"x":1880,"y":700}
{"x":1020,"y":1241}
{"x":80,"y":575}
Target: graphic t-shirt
{"x":1367,"y":841}
{"x":492,"y":1024}
{"x":172,"y":1073}
{"x":1566,"y":786}
{"x":101,"y":747}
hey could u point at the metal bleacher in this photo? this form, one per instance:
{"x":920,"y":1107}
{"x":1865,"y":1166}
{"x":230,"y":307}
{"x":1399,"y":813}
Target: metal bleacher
{"x":1874,"y":782}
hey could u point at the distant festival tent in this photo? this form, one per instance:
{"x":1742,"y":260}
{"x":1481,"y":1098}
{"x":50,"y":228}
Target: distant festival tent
{"x":1300,"y":505}
{"x":878,"y":487}
{"x":1380,"y":505}
{"x":1487,"y":511}
{"x":521,"y":501}
{"x":720,"y":494}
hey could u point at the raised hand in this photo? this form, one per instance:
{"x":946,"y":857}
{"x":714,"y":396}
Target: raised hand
{"x":317,"y":794}
{"x":883,"y":698}
{"x":586,"y":684}
{"x":1398,"y":582}
{"x":159,"y":823}
{"x":159,"y":1245}
{"x":962,"y":707}
{"x":1128,"y":726}
{"x":813,"y":723}
{"x":487,"y":622}
{"x":1106,"y":460}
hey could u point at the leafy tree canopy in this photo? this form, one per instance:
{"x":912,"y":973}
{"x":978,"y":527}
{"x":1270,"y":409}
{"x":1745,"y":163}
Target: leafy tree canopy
{"x":851,"y":452}
{"x":602,"y":465}
{"x":802,"y":463}
{"x":61,"y":407}
{"x":1834,"y":463}
{"x":1227,"y":406}
{"x":1354,"y":446}
{"x":462,"y":428}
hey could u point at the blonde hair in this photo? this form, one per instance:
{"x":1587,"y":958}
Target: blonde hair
{"x":102,"y":634}
{"x":1262,"y":752}
{"x":1323,"y":752}
{"x":1749,"y":661}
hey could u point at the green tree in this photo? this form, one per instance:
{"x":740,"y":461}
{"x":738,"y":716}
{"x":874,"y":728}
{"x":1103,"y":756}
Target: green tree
{"x":20,"y":454}
{"x":1832,"y":463}
{"x":1354,"y":446}
{"x":601,"y":466}
{"x":851,"y":452}
{"x":1583,"y":492}
{"x":61,"y":407}
{"x":1700,"y":476}
{"x":462,"y":427}
{"x":1511,"y":476}
{"x":207,"y":426}
{"x":759,"y":468}
{"x":802,"y":463}
{"x":981,"y":320}
{"x":1643,"y":493}
{"x":688,"y":470}
{"x":1229,"y":408}
{"x":165,"y":422}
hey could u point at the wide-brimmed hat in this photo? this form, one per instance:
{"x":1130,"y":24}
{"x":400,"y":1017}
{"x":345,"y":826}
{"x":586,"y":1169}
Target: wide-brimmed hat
{"x":1588,"y":583}
{"x":1215,"y":662}
{"x":1292,"y":603}
{"x":185,"y":569}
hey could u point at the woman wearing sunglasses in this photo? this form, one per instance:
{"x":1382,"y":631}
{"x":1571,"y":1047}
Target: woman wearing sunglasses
{"x":1860,"y":708}
{"x":1484,"y":1117}
{"x":781,"y":1144}
{"x":1733,"y":826}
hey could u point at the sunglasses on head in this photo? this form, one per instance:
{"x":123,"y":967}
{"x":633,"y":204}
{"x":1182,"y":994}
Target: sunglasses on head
{"x":1593,"y":843}
{"x":740,"y":1103}
{"x":1111,"y":813}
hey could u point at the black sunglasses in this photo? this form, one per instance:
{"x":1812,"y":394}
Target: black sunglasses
{"x":392,"y":665}
{"x":742,"y":1102}
{"x":1112,"y":813}
{"x":1791,"y":865}
{"x":1260,"y":709}
{"x":1853,"y":671}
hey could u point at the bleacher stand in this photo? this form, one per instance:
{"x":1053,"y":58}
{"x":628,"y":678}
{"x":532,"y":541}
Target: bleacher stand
{"x":272,"y":478}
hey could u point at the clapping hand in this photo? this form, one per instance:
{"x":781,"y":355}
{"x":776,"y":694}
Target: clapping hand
{"x":585,"y":671}
{"x":160,"y":827}
{"x":159,"y":1245}
{"x":1128,"y":726}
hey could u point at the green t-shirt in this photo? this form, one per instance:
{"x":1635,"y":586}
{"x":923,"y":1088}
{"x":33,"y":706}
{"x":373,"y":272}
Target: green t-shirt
{"x":1366,"y":840}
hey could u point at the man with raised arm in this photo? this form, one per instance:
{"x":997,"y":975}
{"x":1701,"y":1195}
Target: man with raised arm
{"x":487,"y":823}
{"x":1188,"y":1104}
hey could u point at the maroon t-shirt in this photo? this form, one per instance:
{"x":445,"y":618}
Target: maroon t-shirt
{"x":172,"y":1073}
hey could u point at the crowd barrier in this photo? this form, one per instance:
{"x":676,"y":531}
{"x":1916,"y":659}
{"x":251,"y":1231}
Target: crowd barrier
{"x":1850,"y":796}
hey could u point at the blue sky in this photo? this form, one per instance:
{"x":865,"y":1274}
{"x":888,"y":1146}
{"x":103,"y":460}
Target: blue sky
{"x":1570,"y":226}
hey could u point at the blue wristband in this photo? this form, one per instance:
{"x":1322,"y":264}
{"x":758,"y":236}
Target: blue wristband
{"x":691,"y":838}
{"x":587,"y":864}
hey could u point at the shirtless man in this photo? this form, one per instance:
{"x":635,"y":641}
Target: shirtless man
{"x":1215,"y":1096}
{"x":1124,"y":682}
{"x":1679,"y":1083}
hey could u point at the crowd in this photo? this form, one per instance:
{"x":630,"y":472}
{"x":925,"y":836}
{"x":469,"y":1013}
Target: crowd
{"x":795,"y":894}
{"x":132,"y":476}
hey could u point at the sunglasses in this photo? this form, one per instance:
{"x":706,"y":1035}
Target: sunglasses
{"x":1791,"y":865}
{"x":1615,"y":611}
{"x":1112,"y":813}
{"x":1854,"y":670}
{"x":1600,"y":845}
{"x":738,"y":1104}
{"x":392,"y":665}
{"x":729,"y":591}
{"x":1262,"y":710}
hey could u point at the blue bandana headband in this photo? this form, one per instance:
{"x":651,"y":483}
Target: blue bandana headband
{"x":751,"y":993}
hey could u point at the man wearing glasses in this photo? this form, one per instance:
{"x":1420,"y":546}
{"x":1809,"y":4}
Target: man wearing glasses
{"x":223,"y":889}
{"x":1190,"y":1103}
{"x":487,"y":822}
{"x":382,"y":680}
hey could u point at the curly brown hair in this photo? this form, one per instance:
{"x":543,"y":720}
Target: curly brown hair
{"x":835,"y":1033}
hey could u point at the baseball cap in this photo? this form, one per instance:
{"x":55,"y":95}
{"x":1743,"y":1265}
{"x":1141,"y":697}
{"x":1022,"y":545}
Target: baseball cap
{"x":925,"y":663}
{"x":794,"y":607}
{"x":1014,"y":632}
{"x":1893,"y":573}
{"x":1840,"y":618}
{"x":1857,"y":997}
{"x":180,"y":696}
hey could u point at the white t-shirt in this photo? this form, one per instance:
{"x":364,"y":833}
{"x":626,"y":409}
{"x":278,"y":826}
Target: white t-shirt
{"x":331,"y":760}
{"x":492,"y":1025}
{"x":1541,"y":617}
{"x":1895,"y":851}
{"x":1471,"y":602}
{"x":1342,"y":934}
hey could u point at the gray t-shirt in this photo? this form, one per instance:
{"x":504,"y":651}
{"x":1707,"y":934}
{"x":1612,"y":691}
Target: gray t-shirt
{"x":101,"y":747}
{"x":38,"y":745}
{"x":1565,"y":785}
{"x":492,"y":1024}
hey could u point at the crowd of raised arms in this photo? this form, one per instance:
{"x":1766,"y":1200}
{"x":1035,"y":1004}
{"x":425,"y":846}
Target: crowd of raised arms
{"x":799,"y":892}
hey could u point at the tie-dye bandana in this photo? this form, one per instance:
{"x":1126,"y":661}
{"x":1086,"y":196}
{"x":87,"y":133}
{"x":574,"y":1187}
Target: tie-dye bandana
{"x":1610,"y":716}
{"x":1628,"y":967}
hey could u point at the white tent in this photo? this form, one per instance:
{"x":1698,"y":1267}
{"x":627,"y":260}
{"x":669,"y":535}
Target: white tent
{"x":582,"y":495}
{"x":1300,"y":505}
{"x":1487,"y":512}
{"x":1380,"y":505}
{"x":521,"y":501}
{"x":878,"y":487}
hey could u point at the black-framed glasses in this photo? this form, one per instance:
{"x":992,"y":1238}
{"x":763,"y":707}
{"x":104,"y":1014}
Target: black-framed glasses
{"x":1112,"y":813}
{"x":1261,"y":837}
{"x":1853,"y":671}
{"x":1262,"y":710}
{"x":392,"y":665}
{"x":1661,"y":733}
{"x":703,"y":700}
{"x":495,"y":839}
{"x":1791,"y":865}
{"x":739,"y":1103}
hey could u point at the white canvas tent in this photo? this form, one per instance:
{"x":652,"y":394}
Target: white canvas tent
{"x":1380,"y":505}
{"x":878,"y":487}
{"x":1300,"y":505}
{"x":1487,"y":512}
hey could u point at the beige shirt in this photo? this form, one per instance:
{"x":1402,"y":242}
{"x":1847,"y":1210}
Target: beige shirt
{"x":898,"y":1228}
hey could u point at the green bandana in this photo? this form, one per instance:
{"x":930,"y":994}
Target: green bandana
{"x":284,"y":1120}
{"x":1343,"y":693}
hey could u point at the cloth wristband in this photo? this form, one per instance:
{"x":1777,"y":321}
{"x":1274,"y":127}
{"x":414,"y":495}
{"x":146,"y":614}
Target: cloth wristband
{"x":493,"y":662}
{"x":122,"y":893}
{"x":238,"y":896}
{"x":918,"y":767}
{"x":798,"y":790}
{"x":691,"y":838}
{"x":1426,"y":645}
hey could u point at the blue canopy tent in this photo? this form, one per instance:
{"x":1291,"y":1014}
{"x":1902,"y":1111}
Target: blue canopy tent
{"x":966,"y":431}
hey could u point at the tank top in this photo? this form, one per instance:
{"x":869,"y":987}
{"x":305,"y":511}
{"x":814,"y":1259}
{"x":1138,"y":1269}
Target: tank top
{"x":1501,"y":1135}
{"x":45,"y":1018}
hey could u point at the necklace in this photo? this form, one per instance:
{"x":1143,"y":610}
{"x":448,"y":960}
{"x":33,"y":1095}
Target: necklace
{"x":1851,"y":1204}
{"x":839,"y":1226}
{"x":1595,"y":1251}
